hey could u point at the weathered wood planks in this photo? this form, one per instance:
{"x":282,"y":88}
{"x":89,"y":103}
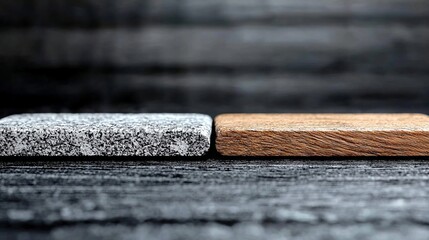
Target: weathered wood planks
{"x":385,"y":48}
{"x":322,"y":134}
{"x":212,"y":93}
{"x":113,"y":13}
{"x":119,"y":198}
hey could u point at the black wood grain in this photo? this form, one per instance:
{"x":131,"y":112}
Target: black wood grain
{"x":386,"y":48}
{"x":111,"y":13}
{"x":146,"y":198}
{"x":212,"y":93}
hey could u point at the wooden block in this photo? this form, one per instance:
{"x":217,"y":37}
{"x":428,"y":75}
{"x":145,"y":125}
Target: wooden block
{"x":322,"y":134}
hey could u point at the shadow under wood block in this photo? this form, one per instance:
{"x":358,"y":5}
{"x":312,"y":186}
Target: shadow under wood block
{"x":105,"y":135}
{"x":322,"y":134}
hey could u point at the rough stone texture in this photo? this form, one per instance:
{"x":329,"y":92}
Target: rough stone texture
{"x":322,"y":134}
{"x":105,"y":135}
{"x":214,"y":199}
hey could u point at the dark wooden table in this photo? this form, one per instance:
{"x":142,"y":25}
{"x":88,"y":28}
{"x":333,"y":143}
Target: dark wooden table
{"x":214,"y":199}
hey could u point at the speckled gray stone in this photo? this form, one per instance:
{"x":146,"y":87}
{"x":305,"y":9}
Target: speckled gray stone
{"x":105,"y":135}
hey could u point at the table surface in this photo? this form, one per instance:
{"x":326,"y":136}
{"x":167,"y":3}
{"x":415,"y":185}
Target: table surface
{"x":134,"y":198}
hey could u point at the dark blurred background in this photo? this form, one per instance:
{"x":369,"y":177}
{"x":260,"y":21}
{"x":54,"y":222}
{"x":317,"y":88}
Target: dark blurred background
{"x":214,"y":56}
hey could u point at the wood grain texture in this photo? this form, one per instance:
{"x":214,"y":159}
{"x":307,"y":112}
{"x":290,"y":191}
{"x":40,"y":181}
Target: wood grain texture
{"x":322,"y":134}
{"x":384,"y":48}
{"x":101,"y":13}
{"x":213,"y":93}
{"x":228,"y":199}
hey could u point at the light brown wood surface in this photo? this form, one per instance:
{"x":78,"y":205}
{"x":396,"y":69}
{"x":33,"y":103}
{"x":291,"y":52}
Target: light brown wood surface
{"x":322,"y":134}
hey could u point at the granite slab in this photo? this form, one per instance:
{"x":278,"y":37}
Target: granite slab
{"x":105,"y":135}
